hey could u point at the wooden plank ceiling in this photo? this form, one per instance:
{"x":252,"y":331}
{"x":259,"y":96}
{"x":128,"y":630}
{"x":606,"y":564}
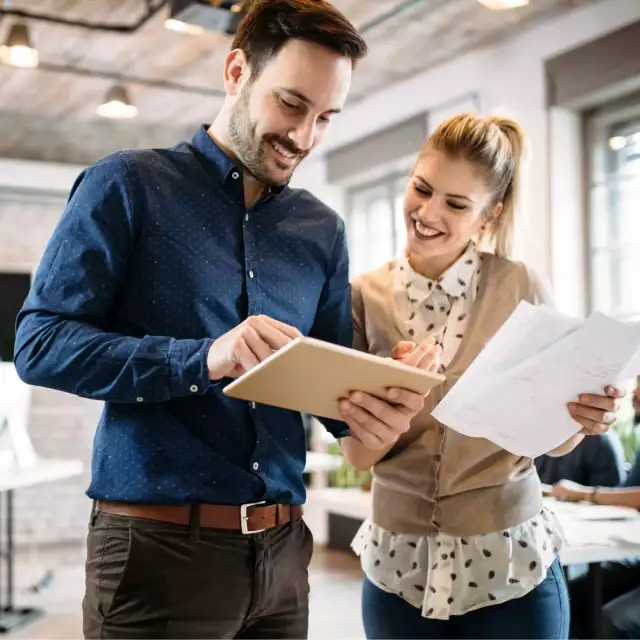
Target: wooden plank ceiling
{"x":405,"y":37}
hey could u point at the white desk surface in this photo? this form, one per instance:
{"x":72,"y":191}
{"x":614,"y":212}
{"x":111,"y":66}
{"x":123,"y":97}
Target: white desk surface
{"x":354,"y":503}
{"x":42,"y":472}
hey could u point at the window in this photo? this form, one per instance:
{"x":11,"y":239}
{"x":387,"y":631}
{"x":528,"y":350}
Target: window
{"x":375,"y":222}
{"x":614,"y":212}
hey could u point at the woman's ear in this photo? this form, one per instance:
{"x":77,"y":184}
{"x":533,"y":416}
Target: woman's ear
{"x":495,"y":213}
{"x":491,"y":218}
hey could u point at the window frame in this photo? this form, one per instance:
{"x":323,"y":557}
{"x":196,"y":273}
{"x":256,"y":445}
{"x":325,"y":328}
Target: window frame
{"x":597,"y":124}
{"x":389,"y":182}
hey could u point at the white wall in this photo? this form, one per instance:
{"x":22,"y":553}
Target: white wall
{"x":312,"y":175}
{"x":31,"y":175}
{"x":507,"y":77}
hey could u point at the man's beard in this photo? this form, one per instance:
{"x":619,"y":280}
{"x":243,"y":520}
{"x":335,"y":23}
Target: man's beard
{"x":250,"y":149}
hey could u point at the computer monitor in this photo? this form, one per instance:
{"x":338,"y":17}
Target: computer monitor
{"x":14,"y":288}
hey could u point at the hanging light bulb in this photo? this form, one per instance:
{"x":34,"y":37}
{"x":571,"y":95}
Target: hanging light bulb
{"x":17,"y":50}
{"x":117,"y":105}
{"x":499,"y":5}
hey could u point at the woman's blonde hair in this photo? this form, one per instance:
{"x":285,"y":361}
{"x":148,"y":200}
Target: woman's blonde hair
{"x":496,"y":145}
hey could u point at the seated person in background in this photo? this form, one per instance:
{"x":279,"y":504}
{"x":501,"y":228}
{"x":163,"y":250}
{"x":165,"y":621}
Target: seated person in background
{"x":596,"y":461}
{"x":633,"y":477}
{"x":620,"y":580}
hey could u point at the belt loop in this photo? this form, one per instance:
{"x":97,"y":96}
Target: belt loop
{"x":94,"y":512}
{"x":194,"y":522}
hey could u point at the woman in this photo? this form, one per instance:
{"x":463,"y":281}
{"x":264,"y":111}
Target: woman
{"x":459,"y":544}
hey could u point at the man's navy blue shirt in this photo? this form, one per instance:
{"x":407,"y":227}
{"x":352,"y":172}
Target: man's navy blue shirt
{"x":154,"y":257}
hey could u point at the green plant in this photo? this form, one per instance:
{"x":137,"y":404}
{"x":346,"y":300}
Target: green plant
{"x":627,"y":430}
{"x":346,"y":475}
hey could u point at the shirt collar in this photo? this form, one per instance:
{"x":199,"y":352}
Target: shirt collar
{"x":454,"y":281}
{"x":224,"y":166}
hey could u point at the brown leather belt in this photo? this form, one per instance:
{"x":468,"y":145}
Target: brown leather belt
{"x":248,"y":518}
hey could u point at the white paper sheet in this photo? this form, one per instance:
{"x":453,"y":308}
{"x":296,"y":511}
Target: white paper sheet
{"x":516,"y":392}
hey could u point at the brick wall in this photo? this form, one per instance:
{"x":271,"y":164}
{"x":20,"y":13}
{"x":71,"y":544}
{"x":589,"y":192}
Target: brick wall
{"x":60,"y":425}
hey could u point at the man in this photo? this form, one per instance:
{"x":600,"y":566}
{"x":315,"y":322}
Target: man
{"x":170,"y":272}
{"x":596,"y":461}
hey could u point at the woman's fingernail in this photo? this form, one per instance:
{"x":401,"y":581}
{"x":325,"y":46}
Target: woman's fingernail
{"x":345,"y":405}
{"x":609,"y":416}
{"x":392,"y":394}
{"x":356,"y":397}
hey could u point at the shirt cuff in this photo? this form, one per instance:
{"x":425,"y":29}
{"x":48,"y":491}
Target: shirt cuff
{"x":188,"y":366}
{"x":336,"y":428}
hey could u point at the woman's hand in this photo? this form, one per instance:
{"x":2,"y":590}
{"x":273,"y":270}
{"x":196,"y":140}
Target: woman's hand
{"x":595,"y":414}
{"x":376,"y":424}
{"x":569,"y":491}
{"x":425,"y":355}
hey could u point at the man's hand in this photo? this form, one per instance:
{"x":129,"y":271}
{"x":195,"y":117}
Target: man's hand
{"x":377,"y":423}
{"x":595,"y":414}
{"x":248,"y":344}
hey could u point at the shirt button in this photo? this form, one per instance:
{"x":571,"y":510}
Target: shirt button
{"x":255,"y":466}
{"x":251,"y":274}
{"x":235,"y":175}
{"x":246,"y":217}
{"x":139,"y":399}
{"x":253,"y":405}
{"x":193,"y":388}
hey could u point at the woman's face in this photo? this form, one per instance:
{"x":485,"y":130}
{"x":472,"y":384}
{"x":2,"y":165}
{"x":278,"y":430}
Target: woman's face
{"x":445,"y":206}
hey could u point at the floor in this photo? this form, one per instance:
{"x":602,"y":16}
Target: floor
{"x":334,"y":608}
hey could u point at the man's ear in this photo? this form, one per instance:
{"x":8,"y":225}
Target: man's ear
{"x":236,"y":71}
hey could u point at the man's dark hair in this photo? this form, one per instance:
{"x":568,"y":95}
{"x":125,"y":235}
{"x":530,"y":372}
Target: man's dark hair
{"x":269,"y":24}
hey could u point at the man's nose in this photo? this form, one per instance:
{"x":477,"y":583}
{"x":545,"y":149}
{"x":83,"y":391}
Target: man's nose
{"x":303,"y":135}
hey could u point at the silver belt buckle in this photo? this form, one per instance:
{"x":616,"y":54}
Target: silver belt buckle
{"x":244,"y":517}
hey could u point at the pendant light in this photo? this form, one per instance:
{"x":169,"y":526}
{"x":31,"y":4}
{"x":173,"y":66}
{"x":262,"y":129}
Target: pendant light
{"x":117,"y":105}
{"x":17,"y":49}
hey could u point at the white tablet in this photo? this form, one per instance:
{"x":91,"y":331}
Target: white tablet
{"x":311,"y":376}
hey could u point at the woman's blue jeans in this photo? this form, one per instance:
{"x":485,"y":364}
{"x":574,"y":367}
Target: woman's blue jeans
{"x":542,"y":613}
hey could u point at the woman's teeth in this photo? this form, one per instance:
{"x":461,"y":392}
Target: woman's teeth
{"x":428,"y":232}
